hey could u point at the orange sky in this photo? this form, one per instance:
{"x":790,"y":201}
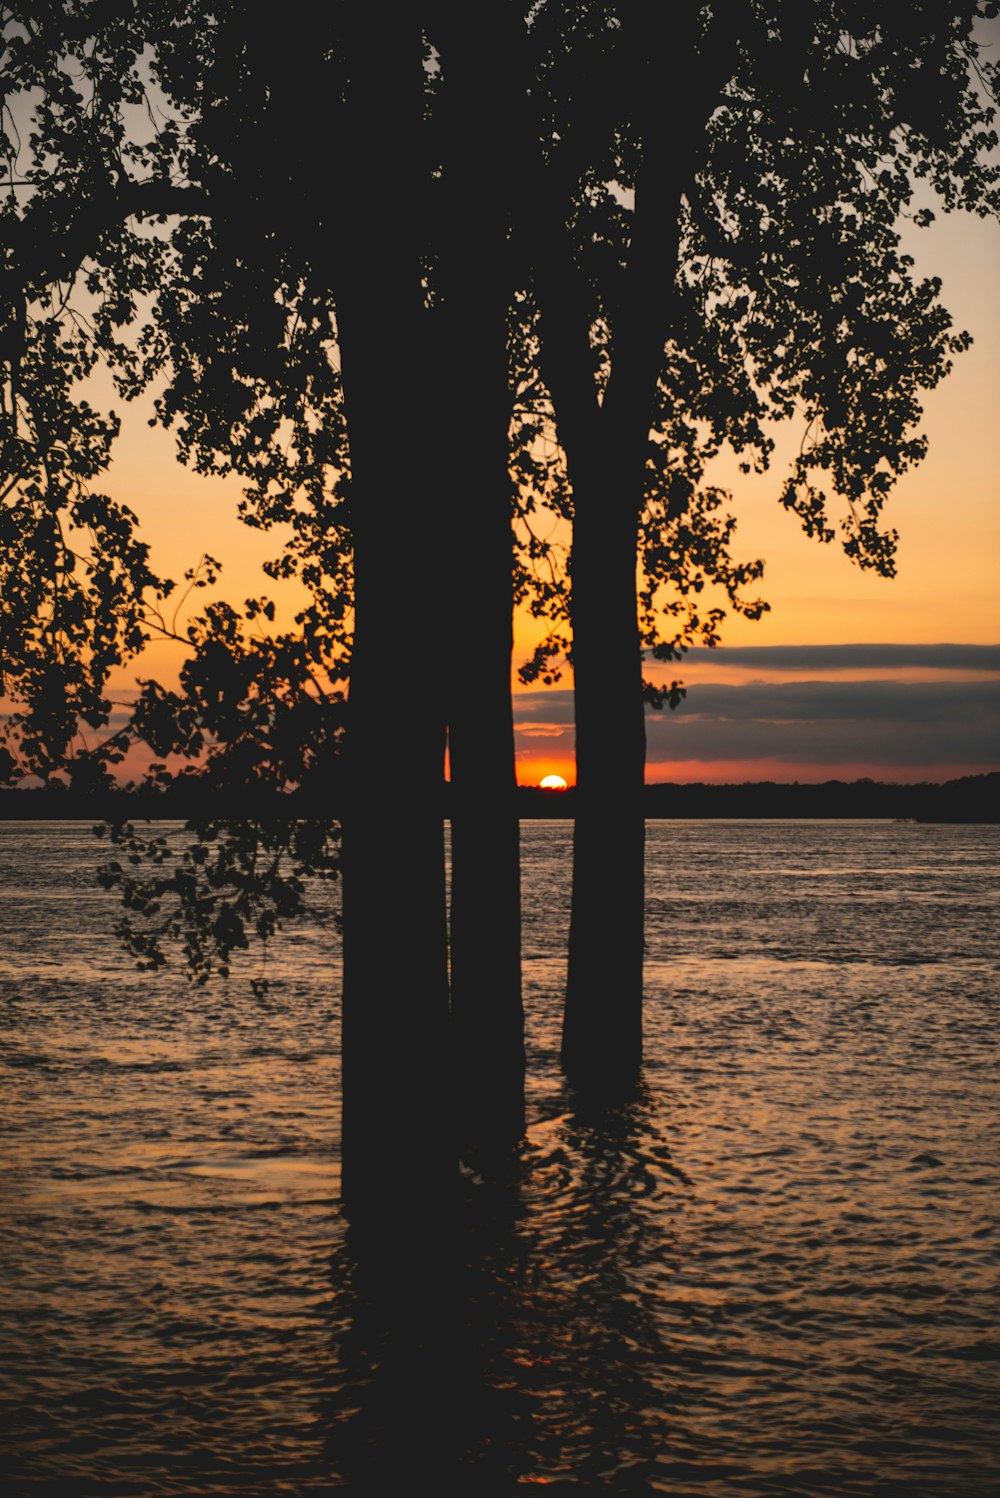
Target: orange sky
{"x":947,"y":513}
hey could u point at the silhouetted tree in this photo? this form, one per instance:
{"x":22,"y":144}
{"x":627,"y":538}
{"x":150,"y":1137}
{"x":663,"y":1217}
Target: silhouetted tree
{"x":716,"y":193}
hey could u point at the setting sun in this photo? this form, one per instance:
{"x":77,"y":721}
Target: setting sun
{"x":552,"y":783}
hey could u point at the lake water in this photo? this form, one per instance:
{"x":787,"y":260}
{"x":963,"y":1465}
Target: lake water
{"x":774,"y":1273}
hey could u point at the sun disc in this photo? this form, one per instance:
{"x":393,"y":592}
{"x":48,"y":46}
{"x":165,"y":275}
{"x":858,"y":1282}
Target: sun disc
{"x":552,"y":783}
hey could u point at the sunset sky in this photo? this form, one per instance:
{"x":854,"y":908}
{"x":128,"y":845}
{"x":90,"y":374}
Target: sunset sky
{"x":786,"y":698}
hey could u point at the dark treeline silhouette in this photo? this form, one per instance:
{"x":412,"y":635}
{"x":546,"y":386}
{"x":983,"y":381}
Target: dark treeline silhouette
{"x":970,"y":798}
{"x":439,"y":289}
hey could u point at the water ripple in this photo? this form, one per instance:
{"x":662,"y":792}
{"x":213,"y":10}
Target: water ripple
{"x":772,"y":1272}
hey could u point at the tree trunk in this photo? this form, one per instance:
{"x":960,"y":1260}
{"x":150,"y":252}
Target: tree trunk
{"x":397,"y":1133}
{"x":485,"y":905}
{"x":602,"y":1030}
{"x":606,"y":455}
{"x":398,"y":1147}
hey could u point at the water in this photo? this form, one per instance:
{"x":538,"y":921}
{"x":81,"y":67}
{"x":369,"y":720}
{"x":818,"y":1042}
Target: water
{"x":774,"y":1273}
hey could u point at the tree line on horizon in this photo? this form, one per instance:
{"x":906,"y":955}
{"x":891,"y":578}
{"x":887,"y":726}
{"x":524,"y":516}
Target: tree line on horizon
{"x":964,"y":798}
{"x":429,"y":286}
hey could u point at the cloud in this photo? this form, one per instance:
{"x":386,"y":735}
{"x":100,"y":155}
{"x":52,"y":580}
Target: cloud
{"x":542,"y":730}
{"x":830,"y":722}
{"x":839,"y":657}
{"x":806,"y":701}
{"x":546,"y":709}
{"x":825,"y":723}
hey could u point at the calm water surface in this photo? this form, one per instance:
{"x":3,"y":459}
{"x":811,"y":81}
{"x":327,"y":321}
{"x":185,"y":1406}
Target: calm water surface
{"x":775,"y":1273}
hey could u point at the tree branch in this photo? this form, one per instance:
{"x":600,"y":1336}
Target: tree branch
{"x":46,"y":246}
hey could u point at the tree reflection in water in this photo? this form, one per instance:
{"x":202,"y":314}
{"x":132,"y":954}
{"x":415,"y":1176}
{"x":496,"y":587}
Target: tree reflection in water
{"x":517,"y":1343}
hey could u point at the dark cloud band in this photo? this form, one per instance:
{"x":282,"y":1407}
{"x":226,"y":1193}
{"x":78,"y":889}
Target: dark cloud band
{"x":900,"y":702}
{"x":820,"y":722}
{"x":837,"y":657}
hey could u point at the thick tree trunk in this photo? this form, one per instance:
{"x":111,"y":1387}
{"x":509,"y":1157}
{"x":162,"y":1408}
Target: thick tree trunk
{"x":396,"y":1069}
{"x":474,"y":276}
{"x":398,"y":1145}
{"x":398,"y":1129}
{"x":602,"y":1030}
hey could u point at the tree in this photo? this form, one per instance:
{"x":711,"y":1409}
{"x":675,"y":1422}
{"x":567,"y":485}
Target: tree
{"x":286,"y":327}
{"x":716,"y":248}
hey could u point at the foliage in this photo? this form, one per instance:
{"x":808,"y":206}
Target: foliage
{"x":736,"y":179}
{"x":169,"y":214}
{"x":112,"y":261}
{"x":215,"y":886}
{"x":118,"y":169}
{"x":75,"y":578}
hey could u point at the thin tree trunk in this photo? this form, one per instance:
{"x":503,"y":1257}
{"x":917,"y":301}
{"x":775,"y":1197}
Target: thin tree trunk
{"x":485,"y":904}
{"x":602,"y":1029}
{"x":485,"y":907}
{"x":605,"y":454}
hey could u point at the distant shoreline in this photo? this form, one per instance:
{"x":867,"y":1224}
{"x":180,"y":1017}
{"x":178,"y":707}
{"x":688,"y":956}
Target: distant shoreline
{"x":974,"y":798}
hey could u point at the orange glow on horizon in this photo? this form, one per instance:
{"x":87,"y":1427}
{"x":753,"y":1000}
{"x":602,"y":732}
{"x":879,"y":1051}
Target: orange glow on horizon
{"x":532,"y":769}
{"x":785,"y":772}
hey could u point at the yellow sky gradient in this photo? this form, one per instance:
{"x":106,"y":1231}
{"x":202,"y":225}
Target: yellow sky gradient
{"x":947,"y":511}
